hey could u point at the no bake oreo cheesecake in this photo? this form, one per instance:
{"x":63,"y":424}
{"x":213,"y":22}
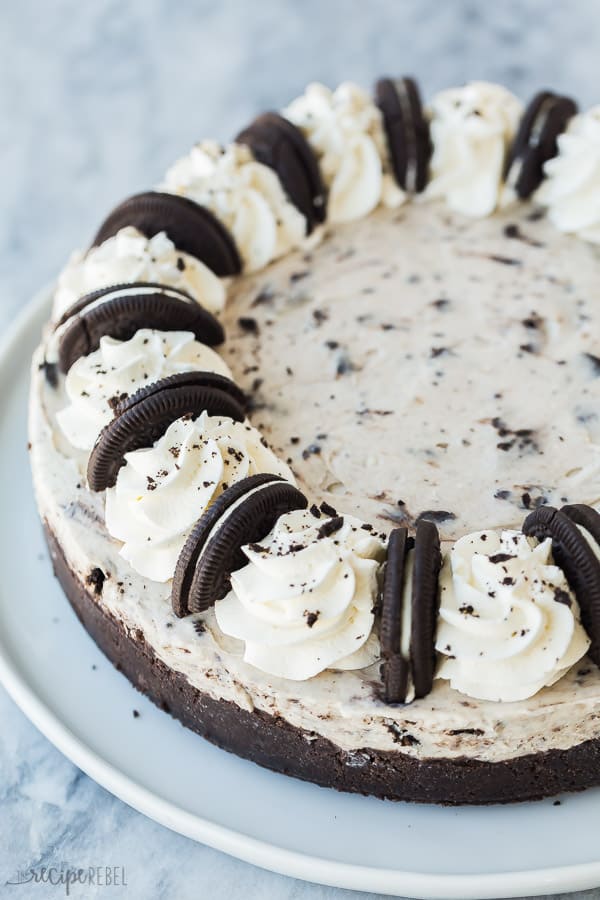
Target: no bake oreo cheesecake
{"x":314,"y":438}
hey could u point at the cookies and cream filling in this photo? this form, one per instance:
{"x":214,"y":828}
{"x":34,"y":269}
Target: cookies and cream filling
{"x":162,"y":491}
{"x":305,"y":601}
{"x":509,"y":624}
{"x":97,"y":383}
{"x":129,"y":256}
{"x":400,"y":384}
{"x":345,"y":130}
{"x":571,"y":189}
{"x":472,"y":128}
{"x":244,"y":194}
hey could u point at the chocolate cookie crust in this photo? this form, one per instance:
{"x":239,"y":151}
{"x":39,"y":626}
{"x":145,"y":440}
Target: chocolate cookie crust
{"x":273,"y":743}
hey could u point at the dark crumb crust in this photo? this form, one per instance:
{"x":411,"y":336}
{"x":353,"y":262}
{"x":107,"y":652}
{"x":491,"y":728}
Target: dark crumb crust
{"x":272,"y":742}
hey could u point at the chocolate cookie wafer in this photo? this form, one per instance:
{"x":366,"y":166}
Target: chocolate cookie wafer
{"x":546,"y":116}
{"x":395,"y":643}
{"x":192,"y":228}
{"x":425,"y":605}
{"x":123,"y":311}
{"x":244,"y":513}
{"x":146,"y":415}
{"x":279,"y":144}
{"x":585,"y":516}
{"x":407,"y":131}
{"x":575,"y":556}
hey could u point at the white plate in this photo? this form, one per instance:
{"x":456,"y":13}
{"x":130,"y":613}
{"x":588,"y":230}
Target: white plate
{"x":58,"y":677}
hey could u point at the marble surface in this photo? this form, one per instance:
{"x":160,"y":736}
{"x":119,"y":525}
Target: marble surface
{"x":96,"y":99}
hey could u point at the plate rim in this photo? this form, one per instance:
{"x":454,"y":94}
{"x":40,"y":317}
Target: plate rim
{"x":295,"y":864}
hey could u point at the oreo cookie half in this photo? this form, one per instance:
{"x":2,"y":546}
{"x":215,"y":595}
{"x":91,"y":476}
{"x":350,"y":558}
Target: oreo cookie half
{"x":425,"y":606}
{"x":145,"y":416}
{"x":395,"y":668}
{"x":124,"y":310}
{"x":576,"y":558}
{"x":279,"y":144}
{"x":546,"y":116}
{"x":192,"y":228}
{"x":407,"y":131}
{"x":243,"y":514}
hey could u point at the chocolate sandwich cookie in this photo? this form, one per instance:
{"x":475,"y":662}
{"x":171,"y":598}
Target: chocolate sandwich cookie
{"x":192,"y":228}
{"x":425,"y":606}
{"x":117,"y":289}
{"x":124,"y":310}
{"x":145,"y":416}
{"x":395,"y":668}
{"x":574,"y":555}
{"x":186,"y":379}
{"x":279,"y":144}
{"x":243,"y":514}
{"x":546,"y":116}
{"x":407,"y":131}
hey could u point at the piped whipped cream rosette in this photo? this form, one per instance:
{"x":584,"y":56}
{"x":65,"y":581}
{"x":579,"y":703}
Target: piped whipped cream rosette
{"x":129,"y":256}
{"x":244,"y":195}
{"x":344,"y":128}
{"x":305,"y":600}
{"x":571,"y":189}
{"x":509,"y":622}
{"x":472,"y":129}
{"x":162,"y":490}
{"x":96,"y":384}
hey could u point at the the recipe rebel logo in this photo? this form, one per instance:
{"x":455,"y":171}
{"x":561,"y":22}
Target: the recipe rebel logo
{"x":69,"y":876}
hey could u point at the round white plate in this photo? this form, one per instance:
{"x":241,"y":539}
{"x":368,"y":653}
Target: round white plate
{"x":54,"y":671}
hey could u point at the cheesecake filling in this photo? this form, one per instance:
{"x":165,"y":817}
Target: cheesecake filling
{"x":162,"y":491}
{"x":305,"y":602}
{"x":130,"y":256}
{"x":509,"y":623}
{"x":244,"y":194}
{"x":97,"y":383}
{"x":461,"y":385}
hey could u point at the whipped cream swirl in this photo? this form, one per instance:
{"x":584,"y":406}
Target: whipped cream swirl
{"x":163,"y":490}
{"x":245,"y":195}
{"x":345,"y":129}
{"x":571,"y":191}
{"x":95,"y":384}
{"x":304,"y":602}
{"x":130,"y":256}
{"x":509,"y":623}
{"x":472,"y":128}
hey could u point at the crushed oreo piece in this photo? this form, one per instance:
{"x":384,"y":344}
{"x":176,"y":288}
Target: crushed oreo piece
{"x":330,"y":527}
{"x":96,"y":579}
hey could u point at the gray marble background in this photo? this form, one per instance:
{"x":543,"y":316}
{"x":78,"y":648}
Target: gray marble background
{"x":96,"y":99}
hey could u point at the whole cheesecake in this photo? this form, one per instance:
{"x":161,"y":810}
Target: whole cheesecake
{"x":315,"y":442}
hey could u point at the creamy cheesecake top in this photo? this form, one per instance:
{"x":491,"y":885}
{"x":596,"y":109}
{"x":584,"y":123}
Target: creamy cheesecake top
{"x":421,"y":363}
